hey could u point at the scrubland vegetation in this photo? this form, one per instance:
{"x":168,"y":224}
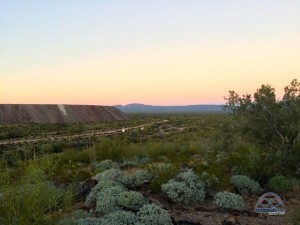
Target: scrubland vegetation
{"x":218,"y":162}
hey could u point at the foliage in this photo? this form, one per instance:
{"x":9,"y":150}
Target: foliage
{"x":275,"y":124}
{"x":112,"y":174}
{"x":161,"y":173}
{"x":186,"y":188}
{"x":151,"y":214}
{"x":107,"y":200}
{"x":108,"y":149}
{"x":280,"y":184}
{"x":30,"y":198}
{"x":119,"y":218}
{"x":228,"y":200}
{"x":245,"y":185}
{"x":130,"y":200}
{"x":100,"y":186}
{"x":138,"y":178}
{"x":105,"y":165}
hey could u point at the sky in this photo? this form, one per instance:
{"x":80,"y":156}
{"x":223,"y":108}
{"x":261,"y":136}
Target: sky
{"x":159,"y":52}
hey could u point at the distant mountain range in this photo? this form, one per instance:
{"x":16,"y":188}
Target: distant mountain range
{"x":141,"y":108}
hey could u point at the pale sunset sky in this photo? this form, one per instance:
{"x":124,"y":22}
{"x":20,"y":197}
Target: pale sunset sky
{"x":160,"y":52}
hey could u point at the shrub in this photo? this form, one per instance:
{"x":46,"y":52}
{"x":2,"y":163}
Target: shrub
{"x":112,"y":174}
{"x":228,"y":200}
{"x":117,"y":198}
{"x":280,"y":184}
{"x":100,"y":186}
{"x":119,"y":218}
{"x":109,"y":149}
{"x":245,"y":185}
{"x":88,"y":221}
{"x":161,"y":173}
{"x":29,"y":198}
{"x":76,"y":218}
{"x":208,"y":180}
{"x":130,"y":200}
{"x":151,"y":214}
{"x":105,"y":165}
{"x":127,"y":164}
{"x":186,"y":188}
{"x":138,"y":178}
{"x":107,"y":200}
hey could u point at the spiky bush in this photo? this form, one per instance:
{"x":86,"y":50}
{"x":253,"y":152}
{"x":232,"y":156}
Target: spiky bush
{"x":130,"y":200}
{"x":186,"y":188}
{"x":228,"y":200}
{"x":151,"y":214}
{"x":119,"y":218}
{"x":280,"y":184}
{"x":245,"y":185}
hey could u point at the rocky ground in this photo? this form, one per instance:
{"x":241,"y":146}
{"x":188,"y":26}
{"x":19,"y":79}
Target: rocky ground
{"x":207,"y":213}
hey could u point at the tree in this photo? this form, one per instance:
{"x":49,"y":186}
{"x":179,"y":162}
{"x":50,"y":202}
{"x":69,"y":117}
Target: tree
{"x":273,"y":123}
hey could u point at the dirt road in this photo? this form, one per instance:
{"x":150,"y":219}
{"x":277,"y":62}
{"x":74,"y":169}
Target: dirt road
{"x":86,"y":134}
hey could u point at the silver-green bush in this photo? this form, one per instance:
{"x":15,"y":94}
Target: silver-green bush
{"x":100,"y":186}
{"x":119,"y":218}
{"x":228,"y":200}
{"x":151,"y":214}
{"x":245,"y":185}
{"x":130,"y":200}
{"x":186,"y":188}
{"x":107,"y":200}
{"x":111,"y":174}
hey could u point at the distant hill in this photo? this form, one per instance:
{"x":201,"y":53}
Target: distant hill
{"x":140,"y":108}
{"x":22,"y":114}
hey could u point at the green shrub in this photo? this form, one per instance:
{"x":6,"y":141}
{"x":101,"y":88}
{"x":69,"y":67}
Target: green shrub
{"x":109,"y":149}
{"x":245,"y":185}
{"x":100,"y":186}
{"x":88,"y":221}
{"x":130,"y":200}
{"x":151,"y":214}
{"x":280,"y":184}
{"x":228,"y":200}
{"x":119,"y":218}
{"x":186,"y":188}
{"x":112,"y":174}
{"x":128,"y":164}
{"x":30,"y":198}
{"x":107,"y":200}
{"x":161,"y":173}
{"x":104,"y":165}
{"x":138,"y":178}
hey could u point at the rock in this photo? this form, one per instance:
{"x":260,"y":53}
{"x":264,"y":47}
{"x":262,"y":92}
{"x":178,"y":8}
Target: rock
{"x":84,"y":189}
{"x":231,"y":220}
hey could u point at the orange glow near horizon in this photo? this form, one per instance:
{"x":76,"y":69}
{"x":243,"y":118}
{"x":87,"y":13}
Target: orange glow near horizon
{"x":101,"y":54}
